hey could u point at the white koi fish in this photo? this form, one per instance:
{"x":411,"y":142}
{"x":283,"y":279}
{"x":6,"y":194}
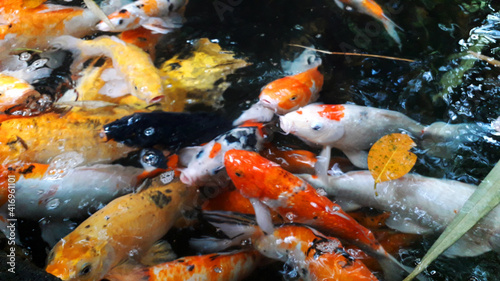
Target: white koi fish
{"x":159,"y":16}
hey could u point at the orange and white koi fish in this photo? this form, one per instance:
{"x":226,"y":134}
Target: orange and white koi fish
{"x":312,"y":255}
{"x":418,"y":205}
{"x":372,"y":9}
{"x":213,"y":267}
{"x":205,"y":164}
{"x":33,"y":27}
{"x":350,"y":128}
{"x":125,"y":228}
{"x":18,"y":97}
{"x":285,"y":95}
{"x":265,"y":182}
{"x":354,"y":129}
{"x":51,"y":133}
{"x":159,"y":16}
{"x":138,"y":77}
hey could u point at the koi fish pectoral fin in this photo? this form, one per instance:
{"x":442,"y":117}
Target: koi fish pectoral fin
{"x":263,"y":216}
{"x":358,"y":158}
{"x":160,"y":252}
{"x":405,"y":225}
{"x":158,"y":25}
{"x":466,"y":247}
{"x":257,"y":112}
{"x":322,"y":164}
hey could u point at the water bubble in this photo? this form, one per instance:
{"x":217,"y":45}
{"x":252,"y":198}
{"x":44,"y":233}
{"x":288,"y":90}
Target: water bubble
{"x":149,"y":131}
{"x":290,"y":216}
{"x":53,"y":203}
{"x":321,"y":192}
{"x":167,"y":177}
{"x":25,"y":56}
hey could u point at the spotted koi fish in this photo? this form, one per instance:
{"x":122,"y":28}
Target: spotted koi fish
{"x":160,"y":16}
{"x":311,"y":254}
{"x":125,"y":228}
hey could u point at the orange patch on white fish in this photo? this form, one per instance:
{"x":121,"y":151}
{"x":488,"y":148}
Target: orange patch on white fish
{"x":332,"y":112}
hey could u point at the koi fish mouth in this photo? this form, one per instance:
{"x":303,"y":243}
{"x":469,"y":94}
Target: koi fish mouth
{"x":156,"y":99}
{"x":104,"y":137}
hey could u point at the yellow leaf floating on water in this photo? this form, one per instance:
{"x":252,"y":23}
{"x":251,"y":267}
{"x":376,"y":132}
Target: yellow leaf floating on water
{"x":390,"y":158}
{"x":202,"y":75}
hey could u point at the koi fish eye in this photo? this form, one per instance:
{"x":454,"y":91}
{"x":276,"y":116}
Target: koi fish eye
{"x":238,"y":174}
{"x":317,"y":126}
{"x":293,"y":98}
{"x":85,"y":269}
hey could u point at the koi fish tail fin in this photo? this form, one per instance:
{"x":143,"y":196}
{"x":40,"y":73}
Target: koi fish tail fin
{"x":237,"y":227}
{"x":256,"y":112}
{"x":391,"y":27}
{"x":443,"y":140}
{"x":128,"y":271}
{"x":394,"y":270}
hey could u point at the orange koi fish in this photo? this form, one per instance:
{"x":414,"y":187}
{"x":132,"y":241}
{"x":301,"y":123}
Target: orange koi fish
{"x":157,"y":15}
{"x":372,"y":9}
{"x":38,"y":139}
{"x":33,"y":26}
{"x":313,"y":255}
{"x":213,"y":267}
{"x":262,"y":180}
{"x":285,"y":95}
{"x":127,"y":227}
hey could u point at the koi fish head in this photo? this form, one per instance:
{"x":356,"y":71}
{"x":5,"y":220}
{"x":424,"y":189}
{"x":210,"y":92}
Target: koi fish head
{"x":208,"y":160}
{"x":285,"y":95}
{"x":80,"y":260}
{"x":122,"y":20}
{"x":316,"y":123}
{"x":289,"y":93}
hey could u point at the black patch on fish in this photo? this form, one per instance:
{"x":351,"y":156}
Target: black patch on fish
{"x":120,"y":22}
{"x":87,"y":226}
{"x":190,"y":268}
{"x":168,"y":191}
{"x":180,"y":260}
{"x":199,"y":154}
{"x":123,"y":11}
{"x":304,"y":271}
{"x":169,"y":130}
{"x":212,"y":258}
{"x":143,"y":39}
{"x":160,"y":199}
{"x":232,"y":139}
{"x":27,"y":170}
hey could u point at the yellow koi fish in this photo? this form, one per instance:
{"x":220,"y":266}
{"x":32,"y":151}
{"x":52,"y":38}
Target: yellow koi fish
{"x":142,"y":78}
{"x":129,"y":225}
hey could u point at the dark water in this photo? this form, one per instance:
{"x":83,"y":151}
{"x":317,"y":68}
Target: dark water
{"x":436,"y":34}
